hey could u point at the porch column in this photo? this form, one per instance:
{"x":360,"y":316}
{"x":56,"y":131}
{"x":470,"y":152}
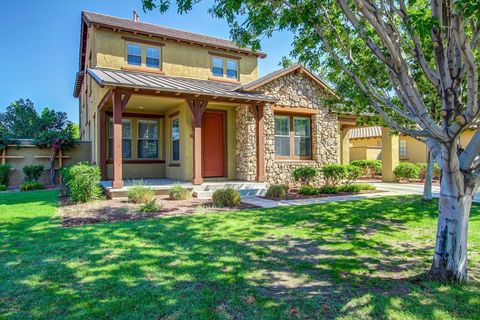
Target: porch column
{"x":197,"y":107}
{"x":103,"y":143}
{"x":117,"y":140}
{"x":345,"y":145}
{"x":257,"y":111}
{"x":390,"y":155}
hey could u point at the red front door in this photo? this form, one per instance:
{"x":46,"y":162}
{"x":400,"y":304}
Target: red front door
{"x":213,"y":144}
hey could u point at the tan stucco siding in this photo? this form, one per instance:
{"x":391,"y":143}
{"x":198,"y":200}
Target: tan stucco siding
{"x":177,"y":59}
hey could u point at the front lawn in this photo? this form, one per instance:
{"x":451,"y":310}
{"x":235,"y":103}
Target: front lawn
{"x":363,"y":259}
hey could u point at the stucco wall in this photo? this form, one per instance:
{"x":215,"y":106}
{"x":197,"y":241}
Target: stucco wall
{"x":365,"y":153}
{"x":178,"y":59}
{"x":79,"y":153}
{"x":293,"y":90}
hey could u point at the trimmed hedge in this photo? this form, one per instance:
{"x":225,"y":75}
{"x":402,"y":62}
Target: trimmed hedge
{"x":82,"y":181}
{"x":140,"y":194}
{"x":407,"y":171}
{"x":277,"y":191}
{"x":423,"y":170}
{"x":308,"y":190}
{"x":370,"y":167}
{"x":305,"y":174}
{"x":226,"y":198}
{"x":33,"y":172}
{"x":31,"y":185}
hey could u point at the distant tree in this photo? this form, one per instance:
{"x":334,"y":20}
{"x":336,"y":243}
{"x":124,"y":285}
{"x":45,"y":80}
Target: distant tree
{"x":19,"y":120}
{"x":56,"y":133}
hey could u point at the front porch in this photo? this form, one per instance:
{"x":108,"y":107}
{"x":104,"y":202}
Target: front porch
{"x":201,"y":191}
{"x":172,"y":136}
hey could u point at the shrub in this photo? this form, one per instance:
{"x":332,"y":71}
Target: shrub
{"x":4,"y":172}
{"x":177,"y":192}
{"x":407,"y":171}
{"x":366,"y":186}
{"x":305,"y":174}
{"x":352,"y":173}
{"x":334,"y":174}
{"x":3,"y":187}
{"x":33,"y":172}
{"x":370,"y":167}
{"x":327,"y":190}
{"x":226,"y":198}
{"x":350,"y":188}
{"x":277,"y":191}
{"x":308,"y":190}
{"x":31,"y":185}
{"x":82,"y":181}
{"x":423,"y":170}
{"x":140,"y":194}
{"x":150,"y":206}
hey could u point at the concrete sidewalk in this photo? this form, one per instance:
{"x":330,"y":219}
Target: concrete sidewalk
{"x":385,"y":189}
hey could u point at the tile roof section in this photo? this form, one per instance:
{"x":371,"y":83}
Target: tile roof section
{"x":138,"y":80}
{"x":163,"y":32}
{"x":365,"y":132}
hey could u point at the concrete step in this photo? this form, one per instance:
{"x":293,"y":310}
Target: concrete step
{"x":206,"y":190}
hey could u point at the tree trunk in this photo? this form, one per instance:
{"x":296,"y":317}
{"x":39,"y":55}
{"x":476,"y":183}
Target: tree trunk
{"x":427,"y":186}
{"x":53,"y":155}
{"x":450,"y":256}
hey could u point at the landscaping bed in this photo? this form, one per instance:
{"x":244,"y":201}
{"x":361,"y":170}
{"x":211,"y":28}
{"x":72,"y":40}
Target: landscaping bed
{"x":121,"y":209}
{"x":293,"y":194}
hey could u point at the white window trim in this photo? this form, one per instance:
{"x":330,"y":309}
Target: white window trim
{"x":283,"y":136}
{"x":143,"y":55}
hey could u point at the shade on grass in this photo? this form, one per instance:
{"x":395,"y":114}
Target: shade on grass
{"x":347,"y":260}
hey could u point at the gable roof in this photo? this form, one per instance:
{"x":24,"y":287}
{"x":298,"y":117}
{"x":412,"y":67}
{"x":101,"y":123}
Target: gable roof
{"x":149,"y":29}
{"x":171,"y":84}
{"x":298,"y":67}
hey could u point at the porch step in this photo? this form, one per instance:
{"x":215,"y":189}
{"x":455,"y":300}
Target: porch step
{"x":206,"y":190}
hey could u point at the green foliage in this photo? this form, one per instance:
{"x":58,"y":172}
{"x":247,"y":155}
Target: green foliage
{"x":304,"y":174}
{"x":423,"y":170}
{"x":366,"y":186}
{"x":150,"y":206}
{"x":370,"y":167}
{"x":350,"y":188}
{"x":82,"y":181}
{"x":407,"y":171}
{"x":31,"y":185}
{"x":20,"y":120}
{"x":352,"y":173}
{"x":33,"y":172}
{"x":308,"y":190}
{"x":327,"y":189}
{"x":3,"y":187}
{"x":177,"y":192}
{"x":4,"y":172}
{"x":277,"y":191}
{"x":334,"y":174}
{"x":226,"y":198}
{"x":140,"y":194}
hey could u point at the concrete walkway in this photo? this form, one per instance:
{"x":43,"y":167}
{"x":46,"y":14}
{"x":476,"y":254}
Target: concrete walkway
{"x":385,"y":189}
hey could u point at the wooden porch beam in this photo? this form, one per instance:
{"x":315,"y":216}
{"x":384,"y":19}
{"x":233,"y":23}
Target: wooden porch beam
{"x":105,"y":99}
{"x":125,"y":100}
{"x":117,"y":140}
{"x":197,"y":107}
{"x":103,"y":143}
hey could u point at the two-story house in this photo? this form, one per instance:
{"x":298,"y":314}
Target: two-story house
{"x":162,"y":103}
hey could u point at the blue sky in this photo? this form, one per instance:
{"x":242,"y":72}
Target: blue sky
{"x":39,"y":55}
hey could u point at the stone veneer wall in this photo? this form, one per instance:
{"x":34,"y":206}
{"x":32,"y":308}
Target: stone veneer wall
{"x":294,"y":90}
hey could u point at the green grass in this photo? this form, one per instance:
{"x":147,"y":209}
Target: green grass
{"x":363,"y":259}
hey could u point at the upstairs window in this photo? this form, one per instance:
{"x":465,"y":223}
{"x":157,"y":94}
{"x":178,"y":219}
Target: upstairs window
{"x":225,"y":68}
{"x":134,"y":55}
{"x":293,"y":137}
{"x":152,"y":57}
{"x":217,"y":67}
{"x":147,"y":139}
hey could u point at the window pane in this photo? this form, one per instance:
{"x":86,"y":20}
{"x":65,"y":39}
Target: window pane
{"x":232,"y":69}
{"x":134,"y":56}
{"x":153,"y":57}
{"x":301,"y":127}
{"x":148,"y":130}
{"x":302,"y":147}
{"x":148,"y":149}
{"x":175,"y":140}
{"x":126,"y":148}
{"x":217,"y":67}
{"x":282,"y":125}
{"x":282,"y":146}
{"x":403,"y":148}
{"x":152,"y":53}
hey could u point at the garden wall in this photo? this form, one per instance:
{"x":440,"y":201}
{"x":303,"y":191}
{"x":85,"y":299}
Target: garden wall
{"x":25,"y":153}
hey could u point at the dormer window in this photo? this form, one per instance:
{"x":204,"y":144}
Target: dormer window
{"x":134,"y":55}
{"x":224,"y":67}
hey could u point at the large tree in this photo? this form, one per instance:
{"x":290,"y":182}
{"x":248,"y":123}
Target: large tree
{"x":19,"y":120}
{"x":392,"y":51}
